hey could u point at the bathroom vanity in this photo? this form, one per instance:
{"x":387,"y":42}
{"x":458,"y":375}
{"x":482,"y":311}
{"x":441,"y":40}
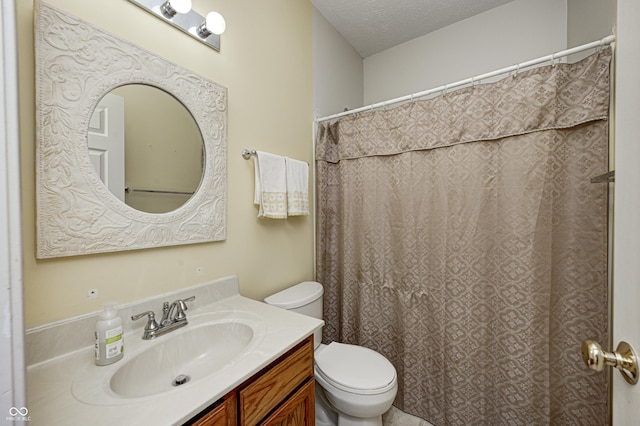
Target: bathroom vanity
{"x":249,"y":363}
{"x":282,"y":393}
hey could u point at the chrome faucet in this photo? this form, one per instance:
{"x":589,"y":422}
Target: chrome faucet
{"x":173,"y":317}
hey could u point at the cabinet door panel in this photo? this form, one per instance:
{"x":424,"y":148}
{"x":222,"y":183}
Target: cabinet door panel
{"x":299,"y":410}
{"x":266,"y":392}
{"x":222,"y":415}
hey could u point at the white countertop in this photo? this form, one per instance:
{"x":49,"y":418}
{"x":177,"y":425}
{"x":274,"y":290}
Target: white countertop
{"x":71,"y":390}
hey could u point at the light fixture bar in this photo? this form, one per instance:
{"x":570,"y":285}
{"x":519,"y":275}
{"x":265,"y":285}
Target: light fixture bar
{"x":187,"y":22}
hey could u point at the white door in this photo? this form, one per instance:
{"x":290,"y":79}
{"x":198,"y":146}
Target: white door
{"x":626,"y":256}
{"x":106,"y":143}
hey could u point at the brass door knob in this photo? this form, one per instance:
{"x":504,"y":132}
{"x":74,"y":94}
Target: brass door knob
{"x":624,"y":359}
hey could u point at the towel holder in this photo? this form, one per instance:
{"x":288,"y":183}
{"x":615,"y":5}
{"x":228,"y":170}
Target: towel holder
{"x":246,"y":154}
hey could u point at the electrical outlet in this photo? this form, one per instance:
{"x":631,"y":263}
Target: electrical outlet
{"x":93,"y":293}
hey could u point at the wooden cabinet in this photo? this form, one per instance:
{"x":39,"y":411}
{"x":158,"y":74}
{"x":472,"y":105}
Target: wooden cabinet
{"x":297,"y":410}
{"x":281,"y":394}
{"x":222,"y":414}
{"x":263,"y":394}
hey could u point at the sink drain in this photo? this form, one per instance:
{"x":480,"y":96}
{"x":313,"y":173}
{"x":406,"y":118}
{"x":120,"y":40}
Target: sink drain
{"x":180,"y":380}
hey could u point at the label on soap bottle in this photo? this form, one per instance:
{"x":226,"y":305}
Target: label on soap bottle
{"x":95,"y":333}
{"x":113,"y":342}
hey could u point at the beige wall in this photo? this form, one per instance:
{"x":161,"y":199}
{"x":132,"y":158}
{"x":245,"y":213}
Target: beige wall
{"x":337,"y":70}
{"x":266,"y":64}
{"x":515,"y":32}
{"x":589,"y":20}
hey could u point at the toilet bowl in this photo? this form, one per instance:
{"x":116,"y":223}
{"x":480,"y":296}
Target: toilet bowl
{"x":354,"y":385}
{"x":357,"y":382}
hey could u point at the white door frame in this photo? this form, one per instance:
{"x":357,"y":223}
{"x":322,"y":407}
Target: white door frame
{"x":12,"y":361}
{"x":626,"y":245}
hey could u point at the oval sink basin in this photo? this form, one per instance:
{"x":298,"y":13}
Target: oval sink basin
{"x":181,"y":357}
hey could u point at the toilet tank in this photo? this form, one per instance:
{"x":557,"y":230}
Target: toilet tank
{"x":304,"y":298}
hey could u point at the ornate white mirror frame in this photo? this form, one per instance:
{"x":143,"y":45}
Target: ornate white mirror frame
{"x":76,"y":65}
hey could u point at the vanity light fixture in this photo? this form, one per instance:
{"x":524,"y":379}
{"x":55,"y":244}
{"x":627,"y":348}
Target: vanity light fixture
{"x":179,"y":14}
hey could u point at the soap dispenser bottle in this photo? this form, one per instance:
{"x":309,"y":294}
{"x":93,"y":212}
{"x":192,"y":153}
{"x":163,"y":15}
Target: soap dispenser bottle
{"x":109,"y":341}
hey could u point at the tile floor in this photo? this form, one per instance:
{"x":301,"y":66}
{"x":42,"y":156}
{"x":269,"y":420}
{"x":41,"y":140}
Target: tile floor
{"x":395,"y":417}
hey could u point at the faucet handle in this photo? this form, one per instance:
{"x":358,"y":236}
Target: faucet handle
{"x":181,"y":307}
{"x":166,"y":311}
{"x":151,"y":323}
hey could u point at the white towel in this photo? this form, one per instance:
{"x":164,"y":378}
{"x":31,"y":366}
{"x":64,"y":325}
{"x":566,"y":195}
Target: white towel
{"x":297,"y":187}
{"x":270,"y":185}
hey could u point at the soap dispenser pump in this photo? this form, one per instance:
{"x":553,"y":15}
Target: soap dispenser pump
{"x":109,"y":342}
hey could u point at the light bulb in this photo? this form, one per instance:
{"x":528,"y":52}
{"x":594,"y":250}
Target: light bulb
{"x":215,"y":23}
{"x":181,"y":6}
{"x":170,"y":7}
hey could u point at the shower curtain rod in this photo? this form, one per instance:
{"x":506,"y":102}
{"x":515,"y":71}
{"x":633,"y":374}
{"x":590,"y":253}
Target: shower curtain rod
{"x":595,"y":44}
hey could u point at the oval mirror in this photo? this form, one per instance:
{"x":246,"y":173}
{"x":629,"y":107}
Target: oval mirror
{"x":146,"y":148}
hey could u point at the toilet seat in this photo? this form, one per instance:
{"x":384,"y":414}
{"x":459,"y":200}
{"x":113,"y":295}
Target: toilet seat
{"x":355,"y":369}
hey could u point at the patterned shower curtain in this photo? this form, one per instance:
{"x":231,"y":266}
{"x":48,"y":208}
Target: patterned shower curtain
{"x":461,"y":237}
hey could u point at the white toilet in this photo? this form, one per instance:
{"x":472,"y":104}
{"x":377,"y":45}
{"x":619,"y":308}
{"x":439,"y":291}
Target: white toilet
{"x":354,"y":385}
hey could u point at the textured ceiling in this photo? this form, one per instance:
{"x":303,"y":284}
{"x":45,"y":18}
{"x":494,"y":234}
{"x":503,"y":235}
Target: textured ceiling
{"x":372,"y":26}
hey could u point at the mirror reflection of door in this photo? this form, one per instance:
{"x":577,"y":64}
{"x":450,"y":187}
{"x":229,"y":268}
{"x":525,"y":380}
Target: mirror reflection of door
{"x":106,"y":143}
{"x":163,"y":149}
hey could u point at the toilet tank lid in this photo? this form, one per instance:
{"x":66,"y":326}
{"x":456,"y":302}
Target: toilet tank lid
{"x":297,"y":295}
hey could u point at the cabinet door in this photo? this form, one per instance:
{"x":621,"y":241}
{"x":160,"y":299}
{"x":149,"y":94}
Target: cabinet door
{"x":266,"y":393}
{"x":299,"y":410}
{"x":222,"y":415}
